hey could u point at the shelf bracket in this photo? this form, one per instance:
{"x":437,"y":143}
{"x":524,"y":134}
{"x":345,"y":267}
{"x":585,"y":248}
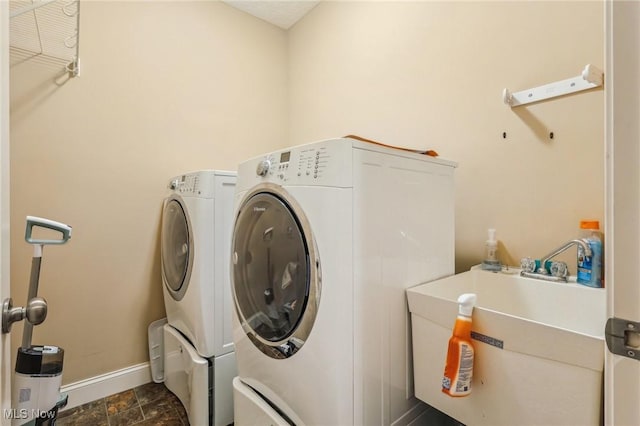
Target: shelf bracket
{"x":73,"y":68}
{"x":589,"y":78}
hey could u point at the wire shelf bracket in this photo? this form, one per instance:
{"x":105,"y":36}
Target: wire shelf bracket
{"x":589,"y":78}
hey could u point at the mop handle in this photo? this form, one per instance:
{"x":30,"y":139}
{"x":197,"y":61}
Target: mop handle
{"x":38,"y":244}
{"x":27,"y":331}
{"x":33,"y":221}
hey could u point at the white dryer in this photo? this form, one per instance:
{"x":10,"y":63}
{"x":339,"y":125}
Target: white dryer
{"x":196,"y":229}
{"x":327,"y":237}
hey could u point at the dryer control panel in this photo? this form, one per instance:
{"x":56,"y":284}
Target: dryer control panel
{"x":197,"y":184}
{"x":326,"y":163}
{"x":308,"y":162}
{"x":186,"y":184}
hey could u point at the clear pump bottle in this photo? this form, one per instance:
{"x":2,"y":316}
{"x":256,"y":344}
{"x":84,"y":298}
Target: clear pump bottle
{"x":491,"y":262}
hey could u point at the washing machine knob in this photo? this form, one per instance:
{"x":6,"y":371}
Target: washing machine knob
{"x":263,"y":167}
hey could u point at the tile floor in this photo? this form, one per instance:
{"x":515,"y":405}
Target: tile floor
{"x":146,"y":405}
{"x":153,"y":405}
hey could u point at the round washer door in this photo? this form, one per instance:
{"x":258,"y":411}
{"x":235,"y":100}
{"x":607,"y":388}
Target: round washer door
{"x":276,"y":271}
{"x":177,"y":247}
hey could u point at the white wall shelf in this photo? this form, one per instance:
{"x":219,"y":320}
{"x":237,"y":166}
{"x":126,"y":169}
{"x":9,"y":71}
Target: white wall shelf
{"x":47,"y":30}
{"x":589,"y":78}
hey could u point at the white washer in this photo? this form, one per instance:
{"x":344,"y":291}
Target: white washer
{"x":195,"y":242}
{"x":327,"y":237}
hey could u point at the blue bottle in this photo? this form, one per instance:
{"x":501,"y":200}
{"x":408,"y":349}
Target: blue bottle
{"x":590,"y":267}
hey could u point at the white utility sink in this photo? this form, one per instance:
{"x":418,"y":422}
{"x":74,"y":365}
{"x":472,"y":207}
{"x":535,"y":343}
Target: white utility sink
{"x":539,"y":349}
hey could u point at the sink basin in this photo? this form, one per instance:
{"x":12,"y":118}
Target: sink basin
{"x":539,"y":348}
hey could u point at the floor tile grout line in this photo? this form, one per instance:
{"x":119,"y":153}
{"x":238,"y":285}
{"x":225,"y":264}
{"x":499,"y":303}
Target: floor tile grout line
{"x":106,"y":412}
{"x":144,"y":416}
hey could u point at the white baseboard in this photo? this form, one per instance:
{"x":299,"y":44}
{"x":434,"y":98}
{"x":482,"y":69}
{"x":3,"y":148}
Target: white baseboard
{"x":97,"y":387}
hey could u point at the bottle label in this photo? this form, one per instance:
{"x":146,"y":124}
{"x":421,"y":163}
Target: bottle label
{"x":590,"y":267}
{"x":460,"y":384}
{"x":466,"y":368}
{"x":446,"y":383}
{"x":585,"y":266}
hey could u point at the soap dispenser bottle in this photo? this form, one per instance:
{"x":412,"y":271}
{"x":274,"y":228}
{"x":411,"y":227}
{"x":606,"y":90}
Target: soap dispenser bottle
{"x":491,"y":262}
{"x":590,"y":267}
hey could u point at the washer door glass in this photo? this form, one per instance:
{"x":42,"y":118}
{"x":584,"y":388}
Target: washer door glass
{"x":175,"y":248}
{"x":271,"y":267}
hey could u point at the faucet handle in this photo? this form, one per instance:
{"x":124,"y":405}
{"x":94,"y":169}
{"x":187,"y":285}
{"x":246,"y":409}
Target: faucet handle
{"x":559,"y":269}
{"x":528,"y":264}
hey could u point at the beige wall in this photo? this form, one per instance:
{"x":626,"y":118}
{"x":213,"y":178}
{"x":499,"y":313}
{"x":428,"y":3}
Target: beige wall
{"x":165,"y":87}
{"x":431,"y":75}
{"x":173,"y":86}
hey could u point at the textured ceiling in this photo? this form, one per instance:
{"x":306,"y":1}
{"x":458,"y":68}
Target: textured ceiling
{"x":283,"y":13}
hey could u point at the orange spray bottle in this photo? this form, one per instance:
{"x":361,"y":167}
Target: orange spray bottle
{"x":458,"y":370}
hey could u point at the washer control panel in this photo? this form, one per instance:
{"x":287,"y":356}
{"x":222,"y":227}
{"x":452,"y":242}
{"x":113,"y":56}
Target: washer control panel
{"x":319,"y":163}
{"x":314,"y":162}
{"x":192,"y":185}
{"x":186,"y":184}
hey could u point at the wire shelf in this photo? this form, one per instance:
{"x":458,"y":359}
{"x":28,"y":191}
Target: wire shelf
{"x":46,"y":31}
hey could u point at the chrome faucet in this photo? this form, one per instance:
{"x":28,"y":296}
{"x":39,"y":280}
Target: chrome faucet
{"x":577,"y":243}
{"x":542,"y":273}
